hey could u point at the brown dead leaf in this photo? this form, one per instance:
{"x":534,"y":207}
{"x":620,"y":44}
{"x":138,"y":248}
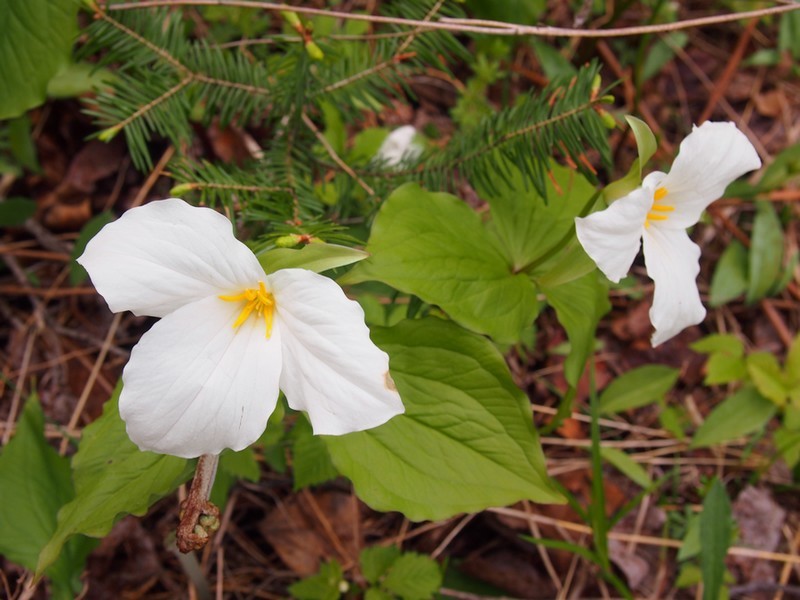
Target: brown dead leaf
{"x":760,"y":520}
{"x":299,"y":537}
{"x":772,"y":103}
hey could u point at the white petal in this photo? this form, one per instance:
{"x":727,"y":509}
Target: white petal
{"x":710,"y":158}
{"x":399,"y":146}
{"x":611,"y":237}
{"x":672,"y":261}
{"x":331,"y":368}
{"x":195,"y":385}
{"x":160,"y":256}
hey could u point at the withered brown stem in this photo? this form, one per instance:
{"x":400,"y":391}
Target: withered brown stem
{"x":199,"y":517}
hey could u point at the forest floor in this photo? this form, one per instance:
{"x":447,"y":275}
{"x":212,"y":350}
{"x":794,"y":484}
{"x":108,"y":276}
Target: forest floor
{"x":60,"y":340}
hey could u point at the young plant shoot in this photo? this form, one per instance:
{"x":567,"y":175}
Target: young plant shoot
{"x":658,"y":212}
{"x":206,"y":376}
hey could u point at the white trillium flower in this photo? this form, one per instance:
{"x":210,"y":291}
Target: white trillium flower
{"x":658,"y":213}
{"x":399,"y":147}
{"x":206,"y":376}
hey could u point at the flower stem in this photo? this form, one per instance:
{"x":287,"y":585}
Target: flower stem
{"x":199,"y":517}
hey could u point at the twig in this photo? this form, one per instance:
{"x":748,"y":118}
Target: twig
{"x":474,"y":25}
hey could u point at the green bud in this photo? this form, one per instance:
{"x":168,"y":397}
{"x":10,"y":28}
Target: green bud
{"x":109,"y":134}
{"x":291,"y":18}
{"x":287,"y":241}
{"x":182,"y":188}
{"x":314,"y":51}
{"x":608,"y":119}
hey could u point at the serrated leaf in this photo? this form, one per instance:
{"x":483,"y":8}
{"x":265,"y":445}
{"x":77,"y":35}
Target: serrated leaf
{"x":112,"y":478}
{"x":311,"y":461}
{"x":627,"y":466}
{"x":376,"y":560}
{"x":434,"y":246}
{"x":34,"y":483}
{"x":744,"y":412}
{"x":414,"y":577}
{"x":77,"y":274}
{"x":36,"y":42}
{"x":579,"y":305}
{"x":638,"y":387}
{"x":767,"y":376}
{"x":730,"y":275}
{"x":317,"y":257}
{"x":715,"y":538}
{"x":325,"y":585}
{"x":766,"y":252}
{"x":466,"y":440}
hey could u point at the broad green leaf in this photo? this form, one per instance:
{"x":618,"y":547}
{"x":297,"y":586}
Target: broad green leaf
{"x":715,"y":538}
{"x":466,"y":440}
{"x":77,"y":274}
{"x":317,"y":257}
{"x":730,"y":275}
{"x":328,"y":584}
{"x":376,"y":560}
{"x":627,"y":466}
{"x":311,"y":463}
{"x":414,"y":577}
{"x":434,"y":246}
{"x":531,"y":229}
{"x":766,"y":252}
{"x":77,"y":79}
{"x":661,"y":52}
{"x":554,"y":64}
{"x":375,"y":593}
{"x":691,"y":538}
{"x":744,"y":412}
{"x":785,"y":166}
{"x":34,"y":483}
{"x":232,"y":467}
{"x":719,"y":342}
{"x":726,"y":363}
{"x":36,"y":42}
{"x":789,"y":33}
{"x":15,"y":211}
{"x":579,"y":305}
{"x":767,"y":376}
{"x":20,"y":140}
{"x":112,"y":478}
{"x":638,"y":387}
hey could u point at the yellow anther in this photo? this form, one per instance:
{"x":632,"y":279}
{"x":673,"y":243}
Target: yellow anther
{"x":258,"y":301}
{"x":656,"y":209}
{"x":659,"y":194}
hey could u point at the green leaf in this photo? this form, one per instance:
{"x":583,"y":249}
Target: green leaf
{"x":766,"y":252}
{"x":789,"y":33}
{"x":715,"y":538}
{"x":376,"y":560}
{"x":21,"y":142}
{"x":793,"y":360}
{"x":646,"y":144}
{"x":77,"y":274}
{"x":232,"y":467}
{"x":77,"y":79}
{"x":767,"y":375}
{"x":112,"y":478}
{"x":334,"y":126}
{"x":466,"y":440}
{"x":691,"y":538}
{"x":744,"y":412}
{"x":36,"y":42}
{"x":726,"y":362}
{"x":328,"y":584}
{"x":434,"y":246}
{"x":317,"y":257}
{"x":554,"y":64}
{"x":638,"y":387}
{"x":414,"y":577}
{"x":579,"y":305}
{"x":15,"y":211}
{"x":730,"y":275}
{"x":374,"y":593}
{"x":311,"y":462}
{"x":787,"y":443}
{"x":627,"y":466}
{"x":34,"y":483}
{"x":530,"y":228}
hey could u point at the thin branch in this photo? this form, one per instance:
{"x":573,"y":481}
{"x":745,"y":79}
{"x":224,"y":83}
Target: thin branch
{"x":336,"y":158}
{"x":475,"y":25}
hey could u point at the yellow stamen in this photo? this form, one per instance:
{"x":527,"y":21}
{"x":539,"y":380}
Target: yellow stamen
{"x":258,"y":301}
{"x":656,"y":209}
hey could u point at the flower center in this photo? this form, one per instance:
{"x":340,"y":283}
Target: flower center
{"x":658,"y":212}
{"x":258,"y":301}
